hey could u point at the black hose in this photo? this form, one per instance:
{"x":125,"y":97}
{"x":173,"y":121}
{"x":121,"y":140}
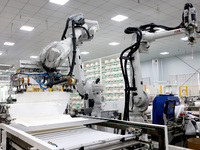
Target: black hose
{"x":123,"y":62}
{"x":65,"y":30}
{"x":150,"y":27}
{"x":73,"y":41}
{"x":74,"y":49}
{"x":88,"y":34}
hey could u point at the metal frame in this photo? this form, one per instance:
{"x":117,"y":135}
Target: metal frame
{"x":13,"y":134}
{"x":157,"y":130}
{"x":16,"y":134}
{"x":22,"y":140}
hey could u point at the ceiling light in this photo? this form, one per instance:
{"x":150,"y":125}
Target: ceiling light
{"x":84,"y":53}
{"x":9,"y":43}
{"x":119,"y":18}
{"x":1,"y":53}
{"x":33,"y":56}
{"x":26,"y":28}
{"x":114,"y":43}
{"x":59,"y":2}
{"x":164,"y":53}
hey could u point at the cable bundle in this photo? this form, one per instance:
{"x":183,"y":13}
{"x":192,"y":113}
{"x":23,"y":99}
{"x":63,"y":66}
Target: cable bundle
{"x":124,"y":58}
{"x":41,"y":78}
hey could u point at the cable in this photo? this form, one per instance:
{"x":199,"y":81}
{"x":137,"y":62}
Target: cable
{"x":74,"y":48}
{"x":123,"y":62}
{"x":88,"y":34}
{"x":133,"y":83}
{"x":150,"y":27}
{"x":29,"y":74}
{"x":39,"y":79}
{"x":184,"y":24}
{"x":73,"y":42}
{"x":75,"y":24}
{"x":65,"y":30}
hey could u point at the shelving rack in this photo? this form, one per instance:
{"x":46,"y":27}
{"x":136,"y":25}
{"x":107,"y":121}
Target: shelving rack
{"x":108,"y":69}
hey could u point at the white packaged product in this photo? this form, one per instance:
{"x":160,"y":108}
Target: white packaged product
{"x":106,"y":61}
{"x":87,"y":65}
{"x":96,"y":63}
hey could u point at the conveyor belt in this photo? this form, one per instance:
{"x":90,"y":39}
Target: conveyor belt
{"x":76,"y":138}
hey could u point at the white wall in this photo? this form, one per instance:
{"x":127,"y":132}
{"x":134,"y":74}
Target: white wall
{"x":172,"y":66}
{"x":146,"y":68}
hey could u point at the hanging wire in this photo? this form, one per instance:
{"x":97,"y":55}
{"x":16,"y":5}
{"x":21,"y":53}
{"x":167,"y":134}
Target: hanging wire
{"x":124,"y":59}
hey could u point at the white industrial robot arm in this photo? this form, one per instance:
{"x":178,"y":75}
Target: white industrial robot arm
{"x":189,"y":26}
{"x":54,"y":54}
{"x":136,"y":101}
{"x":51,"y":62}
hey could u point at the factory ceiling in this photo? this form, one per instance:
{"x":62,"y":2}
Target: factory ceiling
{"x":49,"y":19}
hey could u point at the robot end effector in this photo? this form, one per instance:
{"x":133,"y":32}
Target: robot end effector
{"x":189,"y":8}
{"x":193,"y":26}
{"x":189,"y":26}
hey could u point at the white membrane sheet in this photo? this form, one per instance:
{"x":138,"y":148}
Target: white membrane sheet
{"x":41,"y":108}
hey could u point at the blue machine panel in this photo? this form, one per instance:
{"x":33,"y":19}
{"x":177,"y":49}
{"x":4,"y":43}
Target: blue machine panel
{"x":158,"y":107}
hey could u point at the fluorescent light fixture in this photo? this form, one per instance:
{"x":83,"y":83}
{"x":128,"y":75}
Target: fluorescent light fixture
{"x":9,"y":43}
{"x":1,"y":53}
{"x":33,"y":56}
{"x":119,"y":18}
{"x":164,"y":53}
{"x":59,"y":2}
{"x":84,"y":53}
{"x":114,"y":43}
{"x":26,"y":28}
